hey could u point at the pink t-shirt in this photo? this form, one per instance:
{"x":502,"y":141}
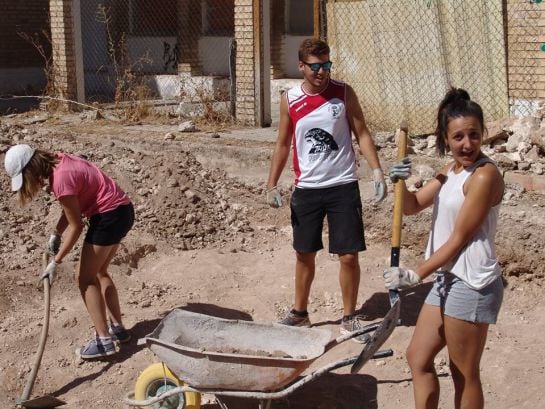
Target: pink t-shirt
{"x":96,"y":192}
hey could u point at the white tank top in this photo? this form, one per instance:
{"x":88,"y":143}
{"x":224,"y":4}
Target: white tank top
{"x":476,"y":264}
{"x":322,"y":140}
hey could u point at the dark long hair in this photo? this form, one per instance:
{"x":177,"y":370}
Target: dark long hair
{"x":455,"y":104}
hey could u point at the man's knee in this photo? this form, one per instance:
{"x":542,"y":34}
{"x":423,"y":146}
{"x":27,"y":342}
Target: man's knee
{"x":305,"y":258}
{"x":349,"y":260}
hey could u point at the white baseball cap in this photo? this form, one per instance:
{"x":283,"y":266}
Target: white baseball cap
{"x":17,"y":157}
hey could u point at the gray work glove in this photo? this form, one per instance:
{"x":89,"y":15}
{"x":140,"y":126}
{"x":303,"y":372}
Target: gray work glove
{"x":274,"y":199}
{"x":401,"y":170}
{"x":54,"y":243}
{"x":379,"y":185}
{"x":396,"y":278}
{"x":49,"y":272}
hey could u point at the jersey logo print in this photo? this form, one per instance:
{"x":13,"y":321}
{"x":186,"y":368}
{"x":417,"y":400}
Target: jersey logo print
{"x":322,"y":142}
{"x":335,"y":110}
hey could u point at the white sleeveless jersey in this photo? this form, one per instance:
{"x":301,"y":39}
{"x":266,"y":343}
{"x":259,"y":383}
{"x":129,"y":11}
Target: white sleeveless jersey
{"x":476,"y":263}
{"x":322,"y":140}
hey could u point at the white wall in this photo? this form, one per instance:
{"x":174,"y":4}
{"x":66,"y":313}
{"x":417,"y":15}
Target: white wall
{"x":214,"y":55}
{"x":150,"y":51}
{"x":291,"y":60}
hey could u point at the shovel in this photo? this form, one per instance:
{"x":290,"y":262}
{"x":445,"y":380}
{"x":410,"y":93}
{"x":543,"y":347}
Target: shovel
{"x":391,"y":320}
{"x":46,"y":401}
{"x":401,"y":138}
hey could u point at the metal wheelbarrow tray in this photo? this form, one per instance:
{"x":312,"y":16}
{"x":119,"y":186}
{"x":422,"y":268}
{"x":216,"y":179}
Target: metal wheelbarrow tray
{"x":215,"y":353}
{"x":250,"y":359}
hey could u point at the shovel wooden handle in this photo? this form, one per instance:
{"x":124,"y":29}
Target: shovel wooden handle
{"x":43,"y":336}
{"x":401,"y":138}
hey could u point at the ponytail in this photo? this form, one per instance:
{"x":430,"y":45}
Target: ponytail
{"x":455,"y":104}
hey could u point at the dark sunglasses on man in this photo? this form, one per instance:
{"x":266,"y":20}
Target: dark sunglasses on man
{"x":315,"y":66}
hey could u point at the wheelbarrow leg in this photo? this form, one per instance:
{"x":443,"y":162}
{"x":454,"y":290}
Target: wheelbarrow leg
{"x":265,"y":403}
{"x":221,"y":404}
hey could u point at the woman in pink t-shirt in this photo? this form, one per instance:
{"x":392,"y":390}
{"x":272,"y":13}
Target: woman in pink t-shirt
{"x":83,"y":190}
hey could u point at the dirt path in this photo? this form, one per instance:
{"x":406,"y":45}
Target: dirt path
{"x":226,"y":253}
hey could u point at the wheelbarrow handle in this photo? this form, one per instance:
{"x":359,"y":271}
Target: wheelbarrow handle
{"x":340,"y":339}
{"x":129,"y":397}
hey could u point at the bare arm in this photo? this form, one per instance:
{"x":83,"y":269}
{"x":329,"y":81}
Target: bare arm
{"x":483,"y":191}
{"x":74,"y":225}
{"x":62,"y":224}
{"x":358,"y":126}
{"x":283,"y":144}
{"x":415,"y":202}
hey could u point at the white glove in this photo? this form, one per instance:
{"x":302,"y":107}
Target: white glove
{"x":401,"y":170}
{"x":49,"y":272}
{"x":274,"y":199}
{"x":396,"y":278}
{"x":54,"y":243}
{"x":379,"y":185}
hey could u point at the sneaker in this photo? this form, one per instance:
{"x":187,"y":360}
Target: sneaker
{"x":96,"y":349}
{"x":294,"y":320}
{"x":119,"y":333}
{"x":351,"y":325}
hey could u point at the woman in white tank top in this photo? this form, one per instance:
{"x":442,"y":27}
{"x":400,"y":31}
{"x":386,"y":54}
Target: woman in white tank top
{"x":468,"y":289}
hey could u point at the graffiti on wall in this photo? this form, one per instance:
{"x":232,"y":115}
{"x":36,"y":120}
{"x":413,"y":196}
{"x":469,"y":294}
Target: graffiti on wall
{"x":170,"y":56}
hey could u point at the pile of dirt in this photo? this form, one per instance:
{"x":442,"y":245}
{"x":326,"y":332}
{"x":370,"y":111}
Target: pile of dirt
{"x":176,"y":199}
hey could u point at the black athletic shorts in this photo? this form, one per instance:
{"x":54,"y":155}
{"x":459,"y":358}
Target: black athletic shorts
{"x":110,"y":227}
{"x":342,"y":206}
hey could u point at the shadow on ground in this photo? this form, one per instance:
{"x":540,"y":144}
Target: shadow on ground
{"x":328,"y":391}
{"x":378,"y":305}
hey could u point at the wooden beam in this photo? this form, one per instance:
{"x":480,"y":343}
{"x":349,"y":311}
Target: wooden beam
{"x":316,"y":20}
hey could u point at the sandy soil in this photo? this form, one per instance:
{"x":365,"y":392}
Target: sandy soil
{"x":205,"y":241}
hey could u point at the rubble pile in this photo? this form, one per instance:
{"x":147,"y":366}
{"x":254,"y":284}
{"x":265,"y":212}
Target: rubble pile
{"x":176,"y":200}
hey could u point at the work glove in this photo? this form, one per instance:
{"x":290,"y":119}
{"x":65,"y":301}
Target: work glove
{"x":49,"y":272}
{"x":401,"y":170}
{"x":397,"y":278}
{"x":379,"y":185}
{"x":274,"y":199}
{"x":53,"y":244}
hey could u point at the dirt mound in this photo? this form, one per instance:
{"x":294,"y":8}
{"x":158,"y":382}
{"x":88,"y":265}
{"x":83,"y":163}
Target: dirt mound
{"x":204,"y":240}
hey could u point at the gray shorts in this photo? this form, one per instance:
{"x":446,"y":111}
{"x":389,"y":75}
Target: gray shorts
{"x":460,"y":301}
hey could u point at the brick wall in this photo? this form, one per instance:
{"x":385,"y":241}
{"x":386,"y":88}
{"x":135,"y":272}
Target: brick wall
{"x":62,"y":38}
{"x":30,"y":17}
{"x":526,"y":49}
{"x":245,"y":65}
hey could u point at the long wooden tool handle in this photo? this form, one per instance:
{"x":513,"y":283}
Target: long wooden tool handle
{"x":401,"y":137}
{"x":43,"y":336}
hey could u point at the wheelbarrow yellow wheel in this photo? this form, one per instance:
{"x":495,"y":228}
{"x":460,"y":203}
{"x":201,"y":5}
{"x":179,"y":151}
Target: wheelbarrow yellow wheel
{"x":157,"y":379}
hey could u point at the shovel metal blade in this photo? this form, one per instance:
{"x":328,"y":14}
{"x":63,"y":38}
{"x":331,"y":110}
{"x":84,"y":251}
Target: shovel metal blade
{"x":44,"y":402}
{"x":382,"y":333}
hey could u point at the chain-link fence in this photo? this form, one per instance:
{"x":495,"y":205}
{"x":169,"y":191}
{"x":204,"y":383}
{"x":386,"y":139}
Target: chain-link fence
{"x":173,"y":50}
{"x":401,"y":57}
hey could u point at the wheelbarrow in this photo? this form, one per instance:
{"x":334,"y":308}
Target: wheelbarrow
{"x":245,"y":359}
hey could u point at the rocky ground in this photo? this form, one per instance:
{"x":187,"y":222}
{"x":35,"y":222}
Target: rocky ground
{"x":205,"y":241}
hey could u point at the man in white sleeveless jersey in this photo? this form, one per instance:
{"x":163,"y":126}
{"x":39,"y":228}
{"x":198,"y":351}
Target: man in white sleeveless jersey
{"x":318,"y":118}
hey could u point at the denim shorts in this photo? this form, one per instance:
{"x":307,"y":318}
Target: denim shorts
{"x":342,"y":207}
{"x":460,"y":301}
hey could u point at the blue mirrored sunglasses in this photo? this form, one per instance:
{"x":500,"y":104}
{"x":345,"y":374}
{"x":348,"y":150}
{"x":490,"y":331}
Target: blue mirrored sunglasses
{"x":315,"y":66}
